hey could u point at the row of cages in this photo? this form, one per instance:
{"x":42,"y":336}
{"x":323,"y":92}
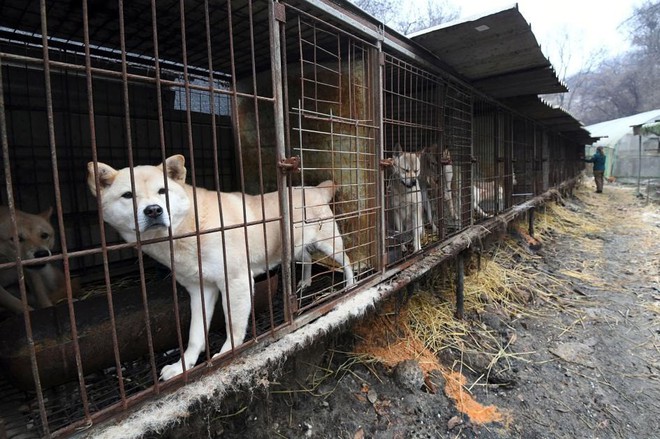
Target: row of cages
{"x":162,"y":158}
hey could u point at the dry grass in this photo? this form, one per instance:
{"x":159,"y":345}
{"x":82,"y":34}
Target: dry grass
{"x":390,"y":338}
{"x":422,"y":329}
{"x":509,"y":278}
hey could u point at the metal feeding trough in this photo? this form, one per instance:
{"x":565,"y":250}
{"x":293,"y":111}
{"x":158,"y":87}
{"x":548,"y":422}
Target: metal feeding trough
{"x":54,"y":347}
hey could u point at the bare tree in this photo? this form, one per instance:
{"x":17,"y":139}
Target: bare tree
{"x":383,"y":10}
{"x":433,"y":13}
{"x":623,"y":85}
{"x":644,"y":28}
{"x":565,"y":53}
{"x":408,"y":17}
{"x":644,"y":33}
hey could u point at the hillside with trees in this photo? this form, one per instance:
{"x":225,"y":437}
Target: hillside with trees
{"x":624,"y":85}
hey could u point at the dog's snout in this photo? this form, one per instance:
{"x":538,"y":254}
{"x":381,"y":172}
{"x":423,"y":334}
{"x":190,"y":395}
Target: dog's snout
{"x":153,"y":211}
{"x":41,"y":254}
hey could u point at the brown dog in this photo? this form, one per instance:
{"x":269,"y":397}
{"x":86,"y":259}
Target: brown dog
{"x":36,"y":239}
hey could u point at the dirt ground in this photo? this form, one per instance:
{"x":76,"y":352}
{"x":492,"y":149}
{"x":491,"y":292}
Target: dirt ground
{"x":577,"y":355}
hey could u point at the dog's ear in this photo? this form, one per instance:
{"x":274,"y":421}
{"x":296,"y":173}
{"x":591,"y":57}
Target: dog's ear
{"x":107,"y":175}
{"x":46,"y":213}
{"x":176,"y":168}
{"x":397,"y":149}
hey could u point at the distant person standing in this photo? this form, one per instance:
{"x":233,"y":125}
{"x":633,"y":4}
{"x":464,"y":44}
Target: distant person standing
{"x":598,"y":160}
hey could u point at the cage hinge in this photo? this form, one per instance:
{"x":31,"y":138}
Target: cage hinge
{"x":280,"y":12}
{"x":290,"y":164}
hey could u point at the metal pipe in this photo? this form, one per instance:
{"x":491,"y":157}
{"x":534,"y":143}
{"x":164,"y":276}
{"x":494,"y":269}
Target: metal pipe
{"x":276,"y":20}
{"x":639,"y":168}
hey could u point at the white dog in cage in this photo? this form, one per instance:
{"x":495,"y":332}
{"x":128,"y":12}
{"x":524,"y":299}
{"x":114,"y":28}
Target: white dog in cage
{"x":485,"y":191}
{"x":405,"y":197}
{"x":231,"y":275}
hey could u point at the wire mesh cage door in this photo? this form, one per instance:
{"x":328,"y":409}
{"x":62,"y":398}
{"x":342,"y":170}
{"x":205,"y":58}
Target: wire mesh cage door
{"x":458,"y":139}
{"x":419,"y":202}
{"x":333,"y":131}
{"x":523,"y":157}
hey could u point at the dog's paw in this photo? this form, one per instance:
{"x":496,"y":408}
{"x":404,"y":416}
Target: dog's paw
{"x":170,"y":371}
{"x":304,"y":284}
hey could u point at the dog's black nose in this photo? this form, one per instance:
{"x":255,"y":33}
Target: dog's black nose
{"x":41,"y":254}
{"x":153,"y":211}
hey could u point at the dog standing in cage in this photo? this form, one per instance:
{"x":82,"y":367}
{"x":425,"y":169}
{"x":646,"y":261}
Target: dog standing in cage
{"x":160,"y":207}
{"x":405,"y":197}
{"x":36,"y":239}
{"x":485,"y":191}
{"x":489,"y":191}
{"x":437,"y":174}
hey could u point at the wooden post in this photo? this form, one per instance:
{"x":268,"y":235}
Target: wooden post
{"x":530,"y":221}
{"x":404,"y":295}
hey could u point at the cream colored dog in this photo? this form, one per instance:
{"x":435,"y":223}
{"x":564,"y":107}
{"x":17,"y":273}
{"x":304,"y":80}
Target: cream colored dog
{"x":231,"y":275}
{"x":35,"y":240}
{"x":405,"y":196}
{"x":485,"y":191}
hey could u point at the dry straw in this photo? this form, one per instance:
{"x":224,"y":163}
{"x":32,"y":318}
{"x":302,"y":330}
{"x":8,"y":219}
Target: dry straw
{"x":509,"y":277}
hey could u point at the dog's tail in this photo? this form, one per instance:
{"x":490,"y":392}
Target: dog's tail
{"x":328,"y":189}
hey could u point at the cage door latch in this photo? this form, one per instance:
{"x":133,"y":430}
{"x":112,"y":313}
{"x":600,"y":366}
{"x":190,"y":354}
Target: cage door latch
{"x":386,"y":163}
{"x":290,"y":164}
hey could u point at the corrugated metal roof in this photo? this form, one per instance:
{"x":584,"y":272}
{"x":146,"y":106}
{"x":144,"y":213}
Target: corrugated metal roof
{"x":499,"y":55}
{"x":553,"y":117}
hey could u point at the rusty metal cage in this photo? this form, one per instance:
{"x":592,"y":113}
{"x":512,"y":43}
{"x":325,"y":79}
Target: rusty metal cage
{"x":524,"y":163}
{"x":458,"y":138}
{"x":493,"y":151}
{"x":426,"y":131}
{"x":270,"y":104}
{"x":331,"y":109}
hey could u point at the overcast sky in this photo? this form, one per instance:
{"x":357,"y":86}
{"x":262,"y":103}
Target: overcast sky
{"x":591,"y":24}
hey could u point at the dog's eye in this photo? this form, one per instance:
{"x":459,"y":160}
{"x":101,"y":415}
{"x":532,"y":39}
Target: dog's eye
{"x":21,"y":238}
{"x":127,"y":195}
{"x":45,"y":235}
{"x":162,"y":191}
